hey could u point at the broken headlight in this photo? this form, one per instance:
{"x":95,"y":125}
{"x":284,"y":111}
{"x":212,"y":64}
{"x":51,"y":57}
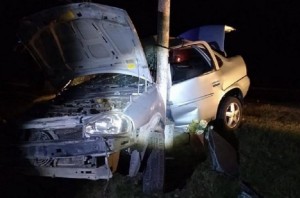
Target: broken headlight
{"x":112,"y":123}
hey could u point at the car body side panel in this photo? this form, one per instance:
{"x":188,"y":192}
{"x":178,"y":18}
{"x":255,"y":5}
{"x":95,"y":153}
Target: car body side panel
{"x":145,"y":106}
{"x":232,"y":71}
{"x":195,"y":98}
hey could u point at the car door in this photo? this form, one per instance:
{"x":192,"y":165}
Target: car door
{"x":195,"y":83}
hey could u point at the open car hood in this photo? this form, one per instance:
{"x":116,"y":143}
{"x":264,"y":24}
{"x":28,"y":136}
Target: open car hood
{"x":81,"y":39}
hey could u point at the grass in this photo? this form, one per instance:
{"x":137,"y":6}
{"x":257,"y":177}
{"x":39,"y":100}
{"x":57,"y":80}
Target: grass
{"x":269,"y":151}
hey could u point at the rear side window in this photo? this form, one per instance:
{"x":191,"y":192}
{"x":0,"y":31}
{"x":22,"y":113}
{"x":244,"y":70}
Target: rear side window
{"x":187,"y":63}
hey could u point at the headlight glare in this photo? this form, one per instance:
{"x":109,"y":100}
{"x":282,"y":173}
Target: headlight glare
{"x":108,"y":124}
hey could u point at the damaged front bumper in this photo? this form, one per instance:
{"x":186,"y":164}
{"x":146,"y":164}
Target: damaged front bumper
{"x":94,"y":158}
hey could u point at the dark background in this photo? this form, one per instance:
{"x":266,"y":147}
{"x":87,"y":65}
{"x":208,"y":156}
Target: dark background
{"x":267,"y":33}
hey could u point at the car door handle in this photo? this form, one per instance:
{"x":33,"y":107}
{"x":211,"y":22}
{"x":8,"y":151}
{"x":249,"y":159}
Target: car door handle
{"x":216,"y":83}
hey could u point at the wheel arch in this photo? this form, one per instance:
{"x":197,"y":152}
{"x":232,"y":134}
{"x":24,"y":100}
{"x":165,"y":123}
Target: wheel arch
{"x":235,"y":92}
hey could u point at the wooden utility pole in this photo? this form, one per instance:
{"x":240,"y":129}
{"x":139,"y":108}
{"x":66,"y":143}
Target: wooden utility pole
{"x":163,"y":26}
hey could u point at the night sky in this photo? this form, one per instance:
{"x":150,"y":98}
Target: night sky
{"x":267,"y":33}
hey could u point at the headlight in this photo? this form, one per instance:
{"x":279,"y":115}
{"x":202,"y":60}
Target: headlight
{"x":112,"y":123}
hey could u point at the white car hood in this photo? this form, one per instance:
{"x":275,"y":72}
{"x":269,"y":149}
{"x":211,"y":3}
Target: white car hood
{"x":84,"y":38}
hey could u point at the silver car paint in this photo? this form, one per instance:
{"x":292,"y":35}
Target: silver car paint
{"x":199,"y":98}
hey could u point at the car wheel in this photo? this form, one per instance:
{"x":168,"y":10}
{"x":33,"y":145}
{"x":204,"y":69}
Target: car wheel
{"x":230,"y":114}
{"x":154,"y":173}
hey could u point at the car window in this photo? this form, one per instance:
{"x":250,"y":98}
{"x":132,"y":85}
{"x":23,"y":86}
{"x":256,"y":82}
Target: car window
{"x":187,"y":63}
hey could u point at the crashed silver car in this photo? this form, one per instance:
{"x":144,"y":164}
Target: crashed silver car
{"x":108,"y":115}
{"x":206,"y":84}
{"x":108,"y":110}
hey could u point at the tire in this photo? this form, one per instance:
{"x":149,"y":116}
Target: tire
{"x":229,"y":115}
{"x":154,"y":173}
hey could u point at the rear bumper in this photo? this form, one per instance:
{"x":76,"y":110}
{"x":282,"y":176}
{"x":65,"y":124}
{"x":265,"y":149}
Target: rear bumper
{"x":244,"y":85}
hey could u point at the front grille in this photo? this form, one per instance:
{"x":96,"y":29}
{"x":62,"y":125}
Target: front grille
{"x":69,"y":133}
{"x":36,"y":135}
